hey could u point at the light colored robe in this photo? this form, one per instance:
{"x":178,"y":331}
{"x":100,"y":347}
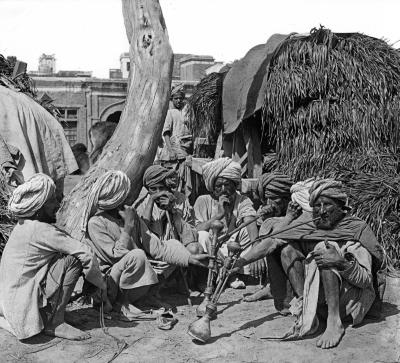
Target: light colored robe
{"x":26,"y":257}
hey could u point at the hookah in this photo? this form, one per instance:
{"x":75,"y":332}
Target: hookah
{"x":201,"y":329}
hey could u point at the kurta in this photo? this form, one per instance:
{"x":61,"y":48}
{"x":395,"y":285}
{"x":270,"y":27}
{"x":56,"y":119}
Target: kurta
{"x":112,"y":242}
{"x":159,"y":224}
{"x":26,"y":257}
{"x":206,"y":207}
{"x":176,"y":123}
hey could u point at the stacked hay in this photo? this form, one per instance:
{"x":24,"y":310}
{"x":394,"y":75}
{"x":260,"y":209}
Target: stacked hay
{"x":205,"y":106}
{"x":332,"y":107}
{"x":6,"y":221}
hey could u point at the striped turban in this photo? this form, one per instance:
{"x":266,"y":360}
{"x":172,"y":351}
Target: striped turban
{"x":301,"y":194}
{"x":108,"y":192}
{"x":329,"y":188}
{"x":272,"y":185}
{"x":224,"y":168}
{"x":156,"y":174}
{"x":29,"y":197}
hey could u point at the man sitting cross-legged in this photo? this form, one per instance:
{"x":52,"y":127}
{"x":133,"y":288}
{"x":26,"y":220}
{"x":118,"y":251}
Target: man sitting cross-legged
{"x":341,"y":251}
{"x":123,"y":244}
{"x":222,"y":178}
{"x":40,"y":266}
{"x":166,"y":211}
{"x":274,"y":192}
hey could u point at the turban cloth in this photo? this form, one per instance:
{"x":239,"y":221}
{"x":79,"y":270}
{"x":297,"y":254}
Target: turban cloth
{"x":178,"y":90}
{"x":108,"y":192}
{"x":301,"y":194}
{"x":156,"y":174}
{"x":223,"y":167}
{"x":329,"y":188}
{"x":274,"y":185}
{"x":29,"y":197}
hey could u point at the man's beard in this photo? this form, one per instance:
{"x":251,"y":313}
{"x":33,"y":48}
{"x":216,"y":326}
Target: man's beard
{"x":328,"y":220}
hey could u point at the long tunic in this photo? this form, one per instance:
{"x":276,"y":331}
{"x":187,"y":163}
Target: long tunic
{"x":176,"y":123}
{"x":206,"y":207}
{"x":159,"y":223}
{"x":112,"y":242}
{"x":26,"y":257}
{"x":357,"y":292}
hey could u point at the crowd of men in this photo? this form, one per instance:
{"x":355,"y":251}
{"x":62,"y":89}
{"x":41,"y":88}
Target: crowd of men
{"x":327,"y":268}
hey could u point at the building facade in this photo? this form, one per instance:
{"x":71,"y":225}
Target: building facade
{"x":84,"y":100}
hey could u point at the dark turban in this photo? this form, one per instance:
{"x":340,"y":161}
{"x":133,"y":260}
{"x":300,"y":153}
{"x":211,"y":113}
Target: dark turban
{"x":329,"y":188}
{"x":272,"y":185}
{"x":178,"y":90}
{"x":156,"y":174}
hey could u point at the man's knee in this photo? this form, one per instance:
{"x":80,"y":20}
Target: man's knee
{"x":136,"y":256}
{"x":194,"y":248}
{"x":290,"y":253}
{"x":72,"y":264}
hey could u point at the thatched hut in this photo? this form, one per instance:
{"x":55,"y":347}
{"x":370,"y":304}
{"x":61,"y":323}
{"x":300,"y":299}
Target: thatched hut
{"x":324,"y":104}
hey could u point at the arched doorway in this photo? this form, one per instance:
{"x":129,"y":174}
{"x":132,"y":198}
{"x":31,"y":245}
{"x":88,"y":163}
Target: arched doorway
{"x":114,"y":117}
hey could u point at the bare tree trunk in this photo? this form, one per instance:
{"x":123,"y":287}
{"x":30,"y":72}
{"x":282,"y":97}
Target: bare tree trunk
{"x":133,"y":146}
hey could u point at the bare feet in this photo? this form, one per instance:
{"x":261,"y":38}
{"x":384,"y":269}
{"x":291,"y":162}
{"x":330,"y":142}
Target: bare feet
{"x":332,"y":335}
{"x":263,"y":294}
{"x":65,"y":331}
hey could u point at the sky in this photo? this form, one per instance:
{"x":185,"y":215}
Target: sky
{"x":90,"y":34}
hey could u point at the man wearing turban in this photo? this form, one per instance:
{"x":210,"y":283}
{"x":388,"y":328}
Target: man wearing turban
{"x":222,"y":178}
{"x":166,"y":211}
{"x":336,"y":249}
{"x":276,"y":212}
{"x":40,"y":265}
{"x":123,"y":243}
{"x":176,"y":133}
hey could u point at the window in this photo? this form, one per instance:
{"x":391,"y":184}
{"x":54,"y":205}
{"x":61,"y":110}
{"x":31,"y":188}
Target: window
{"x":128,"y":66}
{"x":69,"y":121}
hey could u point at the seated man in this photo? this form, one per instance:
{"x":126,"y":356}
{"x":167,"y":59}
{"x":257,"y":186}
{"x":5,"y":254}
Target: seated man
{"x":166,"y":212}
{"x":345,"y":254}
{"x":274,"y":193}
{"x":122,"y":244}
{"x":40,"y":266}
{"x":222,"y":178}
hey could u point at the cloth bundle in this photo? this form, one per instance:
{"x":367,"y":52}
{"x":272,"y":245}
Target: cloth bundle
{"x":301,"y":194}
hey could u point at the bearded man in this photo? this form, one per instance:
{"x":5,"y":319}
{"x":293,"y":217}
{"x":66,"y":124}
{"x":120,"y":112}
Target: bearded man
{"x":166,"y":211}
{"x":276,"y":212}
{"x":339,"y":250}
{"x":40,"y":266}
{"x":222,"y":178}
{"x":123,"y":244}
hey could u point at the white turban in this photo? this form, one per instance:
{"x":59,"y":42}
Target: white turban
{"x":30,"y":196}
{"x":301,"y":193}
{"x":223,"y":167}
{"x":108,"y":192}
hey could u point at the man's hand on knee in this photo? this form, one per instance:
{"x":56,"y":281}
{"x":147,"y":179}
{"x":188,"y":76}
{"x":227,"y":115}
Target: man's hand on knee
{"x":329,"y":257}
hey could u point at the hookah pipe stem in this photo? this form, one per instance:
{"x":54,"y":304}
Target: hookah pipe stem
{"x":212,"y":262}
{"x":226,"y":237}
{"x":259,"y":238}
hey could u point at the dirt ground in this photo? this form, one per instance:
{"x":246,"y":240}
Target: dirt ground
{"x":235,"y":337}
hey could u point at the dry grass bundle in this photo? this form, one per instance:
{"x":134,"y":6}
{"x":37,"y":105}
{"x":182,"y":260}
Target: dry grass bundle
{"x":21,"y":82}
{"x":6,"y":221}
{"x":205,"y":106}
{"x":332,"y":106}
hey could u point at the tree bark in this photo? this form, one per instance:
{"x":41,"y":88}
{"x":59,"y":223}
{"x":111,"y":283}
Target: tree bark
{"x":133,"y":146}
